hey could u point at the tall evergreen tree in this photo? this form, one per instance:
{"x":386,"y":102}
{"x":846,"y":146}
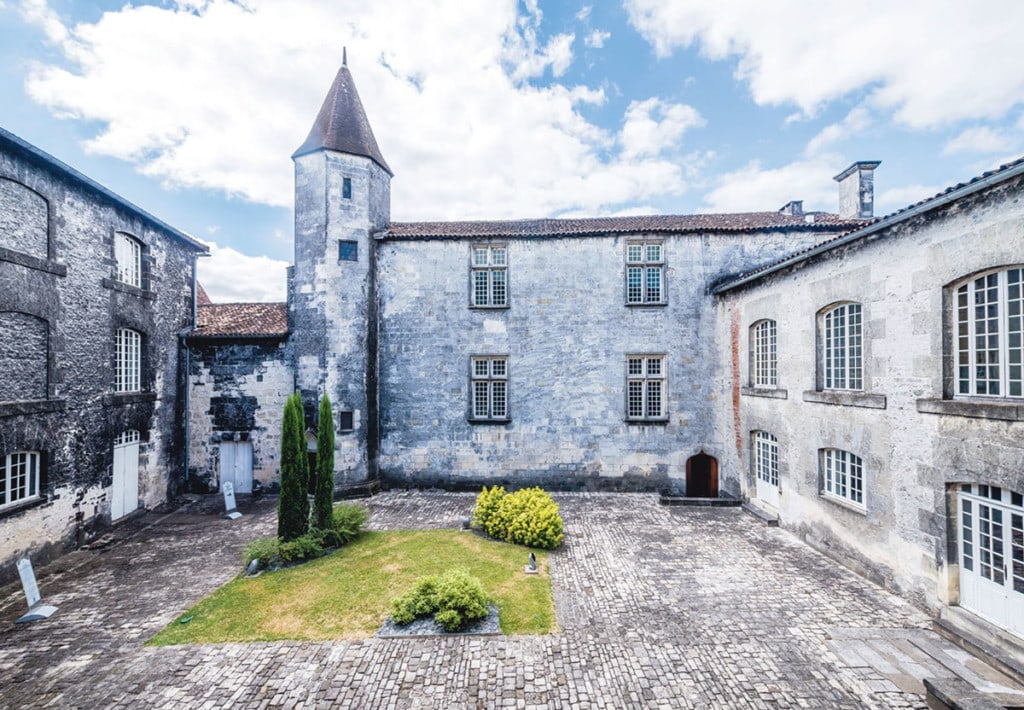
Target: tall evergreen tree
{"x":324,"y":502}
{"x":293,"y":506}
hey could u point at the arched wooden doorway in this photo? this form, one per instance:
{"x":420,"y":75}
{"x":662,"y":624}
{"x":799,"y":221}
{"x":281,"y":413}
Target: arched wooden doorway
{"x":702,"y":476}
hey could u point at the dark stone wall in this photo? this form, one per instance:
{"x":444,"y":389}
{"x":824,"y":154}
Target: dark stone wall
{"x":59,"y":298}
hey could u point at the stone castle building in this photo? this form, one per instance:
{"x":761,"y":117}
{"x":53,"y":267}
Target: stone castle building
{"x":856,"y":380}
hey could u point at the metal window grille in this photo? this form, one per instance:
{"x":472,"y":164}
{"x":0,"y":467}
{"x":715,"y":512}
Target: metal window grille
{"x":843,"y":476}
{"x":489,"y":276}
{"x":128,"y":363}
{"x":128,"y":256}
{"x":765,"y":355}
{"x":19,"y":477}
{"x":990,"y":335}
{"x":844,"y":369}
{"x":489,"y":387}
{"x":644,"y":273}
{"x":645,"y":387}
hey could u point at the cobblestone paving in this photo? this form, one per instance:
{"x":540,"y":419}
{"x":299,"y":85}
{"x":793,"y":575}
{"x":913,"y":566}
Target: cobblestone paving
{"x":657,"y":607}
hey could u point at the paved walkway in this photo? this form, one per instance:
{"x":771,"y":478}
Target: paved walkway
{"x":657,"y":607}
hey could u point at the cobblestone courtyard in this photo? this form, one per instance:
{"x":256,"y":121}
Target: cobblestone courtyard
{"x":657,"y":607}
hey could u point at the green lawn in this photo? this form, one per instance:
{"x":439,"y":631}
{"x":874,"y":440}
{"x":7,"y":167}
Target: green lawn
{"x":347,"y":594}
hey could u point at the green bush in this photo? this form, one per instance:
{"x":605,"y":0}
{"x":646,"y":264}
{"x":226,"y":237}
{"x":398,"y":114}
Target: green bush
{"x":419,"y":601}
{"x":265,"y":549}
{"x":455,"y":599}
{"x":487,"y":507}
{"x":305,"y":547}
{"x":527,"y":517}
{"x":347,"y":522}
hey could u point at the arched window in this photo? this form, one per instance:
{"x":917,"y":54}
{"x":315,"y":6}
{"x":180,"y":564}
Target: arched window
{"x":24,"y":357}
{"x":128,"y":257}
{"x":128,"y":361}
{"x":24,"y":220}
{"x":763,"y":355}
{"x":989,"y":334}
{"x":842,"y":349}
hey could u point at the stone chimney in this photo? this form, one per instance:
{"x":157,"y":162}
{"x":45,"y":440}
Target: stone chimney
{"x":793,"y":207}
{"x":857,"y":190}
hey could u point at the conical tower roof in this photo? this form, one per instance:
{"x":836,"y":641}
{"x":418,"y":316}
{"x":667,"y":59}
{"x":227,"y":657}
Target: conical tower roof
{"x":341,"y":124}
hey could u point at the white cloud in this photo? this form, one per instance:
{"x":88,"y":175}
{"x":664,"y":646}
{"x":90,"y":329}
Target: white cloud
{"x":929,"y":63}
{"x":217,"y":94}
{"x":753,"y":188}
{"x":584,"y":13}
{"x":597,"y":38}
{"x":899,"y":197}
{"x":856,"y":121}
{"x":230,"y":276}
{"x":652,"y":126}
{"x":980,"y":139}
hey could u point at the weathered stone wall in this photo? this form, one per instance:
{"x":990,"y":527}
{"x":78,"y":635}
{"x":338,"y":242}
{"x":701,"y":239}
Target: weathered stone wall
{"x":332,"y":301}
{"x":237,"y":391}
{"x":905,"y":538}
{"x":66,"y":408}
{"x":566,"y":333}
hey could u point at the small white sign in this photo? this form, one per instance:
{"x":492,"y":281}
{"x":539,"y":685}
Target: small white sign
{"x":229,"y":496}
{"x":28,"y":582}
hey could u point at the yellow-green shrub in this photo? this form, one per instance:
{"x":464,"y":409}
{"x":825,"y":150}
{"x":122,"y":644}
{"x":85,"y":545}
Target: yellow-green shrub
{"x":486,"y":507}
{"x":527,"y":517}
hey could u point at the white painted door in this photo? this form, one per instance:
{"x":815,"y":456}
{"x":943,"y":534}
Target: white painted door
{"x":236,"y":465}
{"x":124,"y":496}
{"x":992,"y":554}
{"x":766,"y":467}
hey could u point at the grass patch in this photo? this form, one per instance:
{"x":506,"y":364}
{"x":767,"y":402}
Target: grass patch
{"x":347,"y":595}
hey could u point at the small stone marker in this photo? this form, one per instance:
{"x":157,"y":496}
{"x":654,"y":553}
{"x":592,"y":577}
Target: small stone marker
{"x":229,"y":501}
{"x":36,"y":610}
{"x":531,"y":565}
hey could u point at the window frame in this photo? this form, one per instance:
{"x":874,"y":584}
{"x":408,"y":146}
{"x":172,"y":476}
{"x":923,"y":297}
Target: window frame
{"x":33,"y":485}
{"x":842,"y":364}
{"x":765,"y":447}
{"x":490,"y":382}
{"x":1005,"y":375}
{"x":764,"y":356}
{"x":638,"y":294}
{"x":490,"y":270}
{"x":128,"y":344}
{"x":128,"y":261}
{"x":849,"y":490}
{"x":645,"y":378}
{"x":353,"y":244}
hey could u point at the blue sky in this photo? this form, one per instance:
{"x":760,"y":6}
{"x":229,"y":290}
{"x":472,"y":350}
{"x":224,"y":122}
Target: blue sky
{"x":499,"y":109}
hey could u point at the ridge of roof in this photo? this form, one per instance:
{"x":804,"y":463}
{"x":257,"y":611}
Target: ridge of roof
{"x":239,"y":320}
{"x":37,"y":154}
{"x":341,"y":125}
{"x":546,"y":227}
{"x":989,"y":178}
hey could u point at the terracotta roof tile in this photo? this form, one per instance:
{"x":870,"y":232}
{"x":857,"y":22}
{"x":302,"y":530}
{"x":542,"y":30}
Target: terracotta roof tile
{"x":740,"y":222}
{"x":238,"y":320}
{"x":202,"y":298}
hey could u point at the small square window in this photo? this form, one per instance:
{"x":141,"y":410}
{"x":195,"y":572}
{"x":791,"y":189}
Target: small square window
{"x":348,"y":251}
{"x":346,"y":188}
{"x":345,"y":420}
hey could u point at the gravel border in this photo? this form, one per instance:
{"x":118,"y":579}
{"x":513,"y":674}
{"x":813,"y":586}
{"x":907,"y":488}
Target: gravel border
{"x":426,"y":626}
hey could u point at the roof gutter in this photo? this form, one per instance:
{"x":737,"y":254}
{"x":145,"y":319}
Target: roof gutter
{"x":882,"y":224}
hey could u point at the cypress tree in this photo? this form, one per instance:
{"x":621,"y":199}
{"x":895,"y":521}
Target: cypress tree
{"x":303,"y":459}
{"x":292,"y":508}
{"x":323,"y":503}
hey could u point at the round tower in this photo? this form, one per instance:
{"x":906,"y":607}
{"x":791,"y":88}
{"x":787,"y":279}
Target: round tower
{"x":342,"y":198}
